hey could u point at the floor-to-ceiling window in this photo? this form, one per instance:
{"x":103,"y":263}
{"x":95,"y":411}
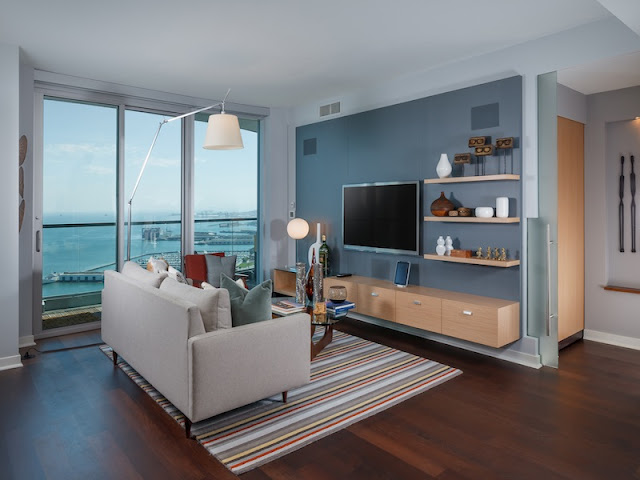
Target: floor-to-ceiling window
{"x":156,"y":206}
{"x":226,"y":197}
{"x":93,"y":147}
{"x":79,"y":208}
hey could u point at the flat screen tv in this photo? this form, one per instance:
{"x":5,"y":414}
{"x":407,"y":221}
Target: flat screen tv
{"x":381,"y":217}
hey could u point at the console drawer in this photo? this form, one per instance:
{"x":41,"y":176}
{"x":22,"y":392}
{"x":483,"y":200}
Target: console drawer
{"x":377,"y":302}
{"x":490,"y":325}
{"x":419,"y":311}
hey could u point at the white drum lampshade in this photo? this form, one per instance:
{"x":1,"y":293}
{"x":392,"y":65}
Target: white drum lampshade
{"x":223,"y":133}
{"x":298,"y":228}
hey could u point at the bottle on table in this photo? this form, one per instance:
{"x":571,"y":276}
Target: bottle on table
{"x":309,"y":287}
{"x":323,"y":254}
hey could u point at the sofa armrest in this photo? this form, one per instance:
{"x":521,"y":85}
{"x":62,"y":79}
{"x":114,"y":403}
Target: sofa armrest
{"x":232,"y":367}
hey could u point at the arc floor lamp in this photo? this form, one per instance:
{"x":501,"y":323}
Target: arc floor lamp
{"x":223,"y":133}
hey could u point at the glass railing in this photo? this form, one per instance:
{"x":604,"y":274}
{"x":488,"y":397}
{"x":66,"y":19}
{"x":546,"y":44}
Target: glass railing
{"x":75,"y":256}
{"x":234,"y":236}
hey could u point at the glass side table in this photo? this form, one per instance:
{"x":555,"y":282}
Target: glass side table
{"x":327,"y":321}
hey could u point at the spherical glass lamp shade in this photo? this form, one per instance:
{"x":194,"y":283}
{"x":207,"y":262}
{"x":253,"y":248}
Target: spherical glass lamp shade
{"x":223,"y":133}
{"x":297,"y":228}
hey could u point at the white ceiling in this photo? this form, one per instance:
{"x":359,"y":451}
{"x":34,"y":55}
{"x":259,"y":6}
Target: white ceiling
{"x":272,"y":53}
{"x":603,"y":75}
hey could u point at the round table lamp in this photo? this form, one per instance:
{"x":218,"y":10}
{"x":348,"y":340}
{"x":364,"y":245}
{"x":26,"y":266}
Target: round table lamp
{"x":298,"y":228}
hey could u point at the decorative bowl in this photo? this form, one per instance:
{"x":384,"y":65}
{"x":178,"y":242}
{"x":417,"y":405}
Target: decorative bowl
{"x":464,"y":212}
{"x":337,"y":294}
{"x":484,"y":212}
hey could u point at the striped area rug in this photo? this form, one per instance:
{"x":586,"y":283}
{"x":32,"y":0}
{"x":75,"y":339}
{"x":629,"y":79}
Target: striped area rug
{"x":351,"y":379}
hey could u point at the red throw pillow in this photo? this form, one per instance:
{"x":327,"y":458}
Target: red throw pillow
{"x":195,"y":267}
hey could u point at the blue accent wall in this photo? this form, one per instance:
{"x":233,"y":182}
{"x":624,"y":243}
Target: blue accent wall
{"x":404,"y":142}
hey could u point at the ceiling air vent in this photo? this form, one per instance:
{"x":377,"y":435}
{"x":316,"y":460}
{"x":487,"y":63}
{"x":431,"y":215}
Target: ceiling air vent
{"x":330,"y":109}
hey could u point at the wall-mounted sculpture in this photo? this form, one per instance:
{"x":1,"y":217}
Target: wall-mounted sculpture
{"x":21,"y":158}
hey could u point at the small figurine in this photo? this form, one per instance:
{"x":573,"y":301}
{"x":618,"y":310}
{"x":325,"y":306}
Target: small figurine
{"x":448,"y":245}
{"x":503,"y":255}
{"x":440,"y":248}
{"x":496,"y":254}
{"x":479,"y":252}
{"x":488,"y":255}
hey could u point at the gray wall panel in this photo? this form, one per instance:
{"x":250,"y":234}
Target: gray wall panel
{"x":404,"y":142}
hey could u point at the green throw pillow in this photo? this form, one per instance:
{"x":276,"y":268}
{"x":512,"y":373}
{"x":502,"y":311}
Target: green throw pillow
{"x":248,"y":306}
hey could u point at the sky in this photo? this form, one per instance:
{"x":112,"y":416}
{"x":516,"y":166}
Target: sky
{"x":80,"y":163}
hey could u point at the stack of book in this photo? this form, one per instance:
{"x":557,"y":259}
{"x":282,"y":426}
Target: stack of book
{"x":338,"y":309}
{"x":287,"y":307}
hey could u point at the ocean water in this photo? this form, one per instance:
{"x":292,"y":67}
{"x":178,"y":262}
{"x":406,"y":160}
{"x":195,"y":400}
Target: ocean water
{"x":93,"y":249}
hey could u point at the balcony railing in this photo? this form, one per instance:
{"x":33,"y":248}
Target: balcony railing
{"x":89,"y":249}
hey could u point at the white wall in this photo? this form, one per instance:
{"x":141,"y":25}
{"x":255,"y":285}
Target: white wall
{"x":622,"y":139}
{"x":26,"y":237}
{"x":274,"y":191}
{"x":609,"y":316}
{"x":597,"y":40}
{"x":571,"y":104}
{"x":9,"y":135}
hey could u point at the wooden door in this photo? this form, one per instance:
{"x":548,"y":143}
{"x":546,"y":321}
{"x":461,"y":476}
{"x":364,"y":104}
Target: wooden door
{"x":570,"y":227}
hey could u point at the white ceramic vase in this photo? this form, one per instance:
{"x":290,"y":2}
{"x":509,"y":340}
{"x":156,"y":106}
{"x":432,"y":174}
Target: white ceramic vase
{"x":484,"y":212}
{"x":502,"y":207}
{"x":443,"y":169}
{"x":315,"y":247}
{"x":440,"y":248}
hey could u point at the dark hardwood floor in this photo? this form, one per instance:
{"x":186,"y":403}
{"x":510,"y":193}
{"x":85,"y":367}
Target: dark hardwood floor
{"x":70,"y":414}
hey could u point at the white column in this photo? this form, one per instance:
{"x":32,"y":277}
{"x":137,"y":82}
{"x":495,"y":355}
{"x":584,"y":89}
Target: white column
{"x":9,"y":135}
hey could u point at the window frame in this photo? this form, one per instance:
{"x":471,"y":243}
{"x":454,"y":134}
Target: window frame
{"x":67,"y":88}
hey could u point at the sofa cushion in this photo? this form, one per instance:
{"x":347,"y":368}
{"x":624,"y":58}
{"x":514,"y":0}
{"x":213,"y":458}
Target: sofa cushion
{"x":248,"y":306}
{"x":176,"y":275}
{"x":136,"y":272}
{"x":195,"y":267}
{"x":219,"y":265}
{"x":157,"y":265}
{"x":214,"y":304}
{"x":238,"y":281}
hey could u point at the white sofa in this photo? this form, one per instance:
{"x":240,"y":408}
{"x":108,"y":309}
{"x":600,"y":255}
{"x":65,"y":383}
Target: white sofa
{"x":201,"y":373}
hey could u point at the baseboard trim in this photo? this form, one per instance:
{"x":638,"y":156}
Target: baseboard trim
{"x":26,"y":341}
{"x":57,"y":332}
{"x":10,"y":362}
{"x":513,"y":356}
{"x":570,"y":340}
{"x":611,"y":339}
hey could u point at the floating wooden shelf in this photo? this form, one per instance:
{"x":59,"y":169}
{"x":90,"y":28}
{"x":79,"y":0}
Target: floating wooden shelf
{"x":614,"y":288}
{"x":473,"y":219}
{"x":473,"y":261}
{"x":476,"y":178}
